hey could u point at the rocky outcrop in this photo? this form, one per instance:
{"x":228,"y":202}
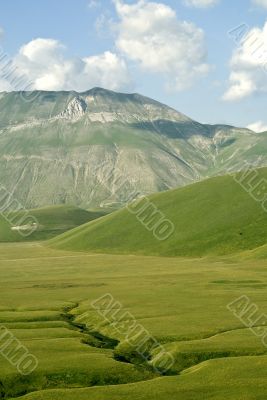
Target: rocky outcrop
{"x":75,"y":110}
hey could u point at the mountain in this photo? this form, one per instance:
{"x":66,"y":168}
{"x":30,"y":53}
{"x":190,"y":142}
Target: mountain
{"x":213,"y":217}
{"x":102,"y":149}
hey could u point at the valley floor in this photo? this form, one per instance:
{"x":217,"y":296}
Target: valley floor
{"x":181,"y":302}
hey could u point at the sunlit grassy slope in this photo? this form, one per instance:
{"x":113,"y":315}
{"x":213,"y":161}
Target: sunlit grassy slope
{"x":215,"y":216}
{"x":51,"y":222}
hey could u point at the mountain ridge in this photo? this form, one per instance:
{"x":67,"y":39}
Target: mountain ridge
{"x":94,"y":148}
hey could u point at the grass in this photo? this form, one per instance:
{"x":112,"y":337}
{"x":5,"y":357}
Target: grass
{"x":212,"y":217}
{"x":186,"y":311}
{"x":233,"y":379}
{"x":51,"y":222}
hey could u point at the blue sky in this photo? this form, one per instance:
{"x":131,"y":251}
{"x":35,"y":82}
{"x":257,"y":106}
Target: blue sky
{"x":183,"y":64}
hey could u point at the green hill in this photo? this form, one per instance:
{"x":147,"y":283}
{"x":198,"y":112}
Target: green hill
{"x":51,"y":221}
{"x":215,"y":216}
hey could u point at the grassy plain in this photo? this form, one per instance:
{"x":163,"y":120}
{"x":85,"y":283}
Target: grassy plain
{"x":182,"y":302}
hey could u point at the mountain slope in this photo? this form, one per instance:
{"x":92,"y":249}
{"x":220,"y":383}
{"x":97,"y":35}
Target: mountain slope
{"x":215,"y":216}
{"x":100,"y":148}
{"x":51,"y":221}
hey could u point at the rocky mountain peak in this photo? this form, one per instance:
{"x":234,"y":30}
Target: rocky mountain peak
{"x":75,"y":109}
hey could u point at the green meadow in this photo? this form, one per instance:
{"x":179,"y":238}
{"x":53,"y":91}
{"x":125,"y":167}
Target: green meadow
{"x":182,"y":302}
{"x":177,"y":291}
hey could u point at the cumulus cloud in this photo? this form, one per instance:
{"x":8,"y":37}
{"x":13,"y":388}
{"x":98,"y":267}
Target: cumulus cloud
{"x":248,"y":66}
{"x":43,"y":63}
{"x":201,"y":3}
{"x":261,"y":3}
{"x":258,"y":126}
{"x":146,"y":34}
{"x":151,"y":35}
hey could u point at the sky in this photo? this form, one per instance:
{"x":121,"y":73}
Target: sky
{"x":205,"y":58}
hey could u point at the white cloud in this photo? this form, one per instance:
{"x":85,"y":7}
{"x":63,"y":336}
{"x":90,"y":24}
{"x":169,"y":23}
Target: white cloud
{"x":5,"y":86}
{"x":94,"y":3}
{"x":258,"y":126}
{"x":147,"y":35}
{"x":249,"y":66}
{"x":201,"y":3}
{"x":104,"y":25}
{"x":108,"y":70}
{"x":151,"y":35}
{"x":262,"y":3}
{"x":44,"y":63}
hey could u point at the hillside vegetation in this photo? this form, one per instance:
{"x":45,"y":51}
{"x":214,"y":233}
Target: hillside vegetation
{"x":51,"y":221}
{"x":213,"y":217}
